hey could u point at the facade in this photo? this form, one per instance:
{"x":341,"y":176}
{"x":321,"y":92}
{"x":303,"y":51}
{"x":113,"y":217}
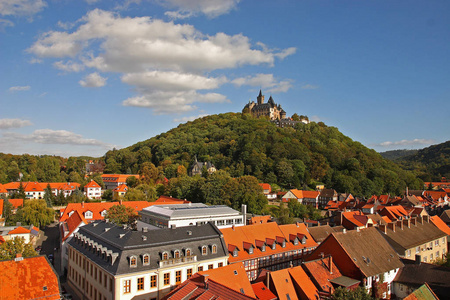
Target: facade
{"x":36,"y":190}
{"x":112,"y":181}
{"x":269,"y":109}
{"x":180,"y":215}
{"x":416,"y":236}
{"x":268,"y":246}
{"x":327,"y":195}
{"x":93,"y":190}
{"x":112,"y":262}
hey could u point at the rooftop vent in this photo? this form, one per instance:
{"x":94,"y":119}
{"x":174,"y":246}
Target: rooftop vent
{"x":121,"y":235}
{"x":94,"y":224}
{"x":106,"y":229}
{"x":44,"y":288}
{"x":144,"y":229}
{"x":189,"y":232}
{"x":144,"y":238}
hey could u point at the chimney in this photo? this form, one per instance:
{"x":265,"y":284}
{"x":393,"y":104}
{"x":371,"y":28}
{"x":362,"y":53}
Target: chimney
{"x":413,"y":221}
{"x":18,"y":257}
{"x":383,"y":228}
{"x":205,"y":280}
{"x":392,"y":226}
{"x":173,"y":226}
{"x":120,"y":201}
{"x":330,"y":264}
{"x":267,"y":279}
{"x":418,"y":259}
{"x":232,"y":227}
{"x":407,"y":222}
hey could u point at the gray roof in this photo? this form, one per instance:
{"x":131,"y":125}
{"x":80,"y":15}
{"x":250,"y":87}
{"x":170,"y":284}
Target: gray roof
{"x":344,"y":281}
{"x":122,"y":243}
{"x":179,"y":211}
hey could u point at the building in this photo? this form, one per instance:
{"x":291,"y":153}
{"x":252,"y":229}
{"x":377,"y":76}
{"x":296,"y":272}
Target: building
{"x":93,"y":190}
{"x":321,"y":232}
{"x":112,"y":181}
{"x":269,"y":109}
{"x":415,"y":236}
{"x":28,"y":278}
{"x":267,"y":246}
{"x":267,"y":190}
{"x":29,"y":233}
{"x":197,"y":167}
{"x":36,"y":190}
{"x":180,"y":215}
{"x":363,"y":255}
{"x":327,"y":195}
{"x":111,"y":262}
{"x":120,"y":191}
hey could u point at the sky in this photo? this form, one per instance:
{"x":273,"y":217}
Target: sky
{"x":81,"y":77}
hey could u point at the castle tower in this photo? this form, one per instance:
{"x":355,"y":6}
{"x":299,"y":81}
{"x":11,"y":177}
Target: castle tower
{"x":260,"y":98}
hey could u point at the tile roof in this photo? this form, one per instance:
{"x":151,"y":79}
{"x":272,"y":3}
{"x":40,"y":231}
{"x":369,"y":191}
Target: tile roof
{"x":16,"y":203}
{"x":310,"y":194}
{"x":321,"y":271}
{"x":266,"y":186}
{"x":33,"y":187}
{"x":262,"y":292}
{"x":29,"y":278}
{"x":92,"y":184}
{"x":301,"y":280}
{"x":170,"y":200}
{"x":394,"y":212}
{"x":117,"y":177}
{"x":1,"y":207}
{"x":19,"y":230}
{"x":440,"y":224}
{"x":72,"y":224}
{"x":259,"y":219}
{"x":422,"y":293}
{"x":2,"y":189}
{"x":121,"y":188}
{"x":320,"y":233}
{"x":282,"y":285}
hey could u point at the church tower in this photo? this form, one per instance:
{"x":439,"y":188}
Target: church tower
{"x":260,"y":98}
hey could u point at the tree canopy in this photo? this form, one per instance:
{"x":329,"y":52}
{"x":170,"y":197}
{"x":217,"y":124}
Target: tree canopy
{"x":121,"y":214}
{"x":10,"y":248}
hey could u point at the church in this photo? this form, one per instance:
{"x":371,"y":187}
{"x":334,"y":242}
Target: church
{"x":270,"y":109}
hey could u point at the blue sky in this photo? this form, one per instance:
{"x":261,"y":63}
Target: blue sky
{"x":81,"y":77}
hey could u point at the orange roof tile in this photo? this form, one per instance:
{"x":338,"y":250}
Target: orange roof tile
{"x":260,"y":219}
{"x":440,"y":224}
{"x":321,"y":271}
{"x":266,"y":186}
{"x":311,"y":194}
{"x":167,"y":199}
{"x":33,"y":187}
{"x":30,"y":278}
{"x":1,"y":207}
{"x":2,"y":189}
{"x":73,"y":222}
{"x":262,"y":292}
{"x":92,"y":184}
{"x":307,"y":287}
{"x":19,"y":230}
{"x":121,"y":188}
{"x":282,"y":284}
{"x":16,"y":203}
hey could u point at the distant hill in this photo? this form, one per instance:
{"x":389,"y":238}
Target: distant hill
{"x":430,"y":164}
{"x":397,"y":154}
{"x":291,"y":157}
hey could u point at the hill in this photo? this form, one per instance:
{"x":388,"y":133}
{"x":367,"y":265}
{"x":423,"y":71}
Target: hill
{"x":397,"y":154}
{"x":431,"y":163}
{"x":291,"y":157}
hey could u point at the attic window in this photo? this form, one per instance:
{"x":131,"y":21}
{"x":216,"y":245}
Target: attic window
{"x":214,"y":249}
{"x":44,"y":288}
{"x":176,"y":254}
{"x":88,"y":215}
{"x":165,"y":255}
{"x":204,"y":250}
{"x":188,"y":252}
{"x":133,"y":261}
{"x":146,"y":259}
{"x":103,"y":213}
{"x":235,"y":272}
{"x":235,"y":253}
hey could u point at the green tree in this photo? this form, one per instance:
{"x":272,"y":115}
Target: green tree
{"x":134,"y":194}
{"x":7,"y":210}
{"x":357,"y":294}
{"x":107,"y":195}
{"x":132,"y":182}
{"x":48,"y":196}
{"x":121,"y":214}
{"x":37,"y":213}
{"x":17,"y":245}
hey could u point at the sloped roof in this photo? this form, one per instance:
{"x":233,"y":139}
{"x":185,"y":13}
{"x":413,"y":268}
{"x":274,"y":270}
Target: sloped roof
{"x":307,"y":287}
{"x":283,"y":285}
{"x":262,"y":292}
{"x":33,"y":187}
{"x":394,"y":212}
{"x":1,"y":207}
{"x":117,"y":177}
{"x":121,"y":188}
{"x":310,"y":194}
{"x":445,"y":216}
{"x":259,"y":219}
{"x":2,"y":189}
{"x":19,"y":230}
{"x":440,"y":224}
{"x":357,"y":218}
{"x":322,"y":272}
{"x":265,"y":186}
{"x":171,"y":200}
{"x":92,"y":184}
{"x":73,"y":222}
{"x":435,"y":194}
{"x":422,"y":293}
{"x":30,"y":278}
{"x":16,"y":203}
{"x":320,"y":233}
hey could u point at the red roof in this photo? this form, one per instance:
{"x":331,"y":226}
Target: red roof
{"x":440,"y":224}
{"x":19,"y":230}
{"x":123,"y":188}
{"x":167,"y":199}
{"x":16,"y":203}
{"x":73,"y":222}
{"x":394,"y":212}
{"x":266,"y":186}
{"x":262,"y":292}
{"x":307,"y":288}
{"x":282,"y":285}
{"x":260,"y":219}
{"x":92,"y":184}
{"x":2,"y":189}
{"x":33,"y":187}
{"x":322,"y":271}
{"x":1,"y":207}
{"x":30,"y":278}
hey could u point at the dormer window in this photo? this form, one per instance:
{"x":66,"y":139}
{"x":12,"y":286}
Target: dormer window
{"x":235,"y":252}
{"x":88,"y":215}
{"x":133,"y":261}
{"x":165,"y":256}
{"x":103,"y":213}
{"x":71,"y":213}
{"x":146,"y":259}
{"x":176,"y":254}
{"x":274,"y":246}
{"x":214,"y":249}
{"x":263,"y":248}
{"x":296,"y":241}
{"x":204,"y":250}
{"x":250,"y":250}
{"x":188,"y":252}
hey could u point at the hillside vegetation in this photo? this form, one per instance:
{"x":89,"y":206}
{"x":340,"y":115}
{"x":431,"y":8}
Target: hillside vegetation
{"x":242,"y":145}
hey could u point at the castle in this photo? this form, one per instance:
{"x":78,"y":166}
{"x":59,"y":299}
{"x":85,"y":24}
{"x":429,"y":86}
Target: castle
{"x":270,"y":109}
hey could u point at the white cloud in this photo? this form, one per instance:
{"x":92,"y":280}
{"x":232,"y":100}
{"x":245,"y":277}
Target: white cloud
{"x":309,"y":87}
{"x":35,"y":61}
{"x":68,"y":66}
{"x":407,"y":143}
{"x":21,"y":7}
{"x":5,"y":23}
{"x":56,"y":137}
{"x":210,"y":8}
{"x":19,"y":88}
{"x":187,"y":119}
{"x":90,"y":2}
{"x":93,"y":80}
{"x":265,"y":81}
{"x":315,"y":119}
{"x":154,"y":56}
{"x":286,"y":52}
{"x":14,"y":123}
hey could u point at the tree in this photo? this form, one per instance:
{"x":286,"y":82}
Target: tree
{"x":7,"y":210}
{"x":107,"y":195}
{"x":134,"y":194}
{"x":37,"y":213}
{"x":10,"y":248}
{"x":357,"y":294}
{"x":121,"y":214}
{"x":48,"y":196}
{"x":132,"y":182}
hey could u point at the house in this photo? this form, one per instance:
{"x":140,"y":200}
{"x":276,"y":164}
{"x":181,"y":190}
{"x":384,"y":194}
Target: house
{"x":267,"y":190}
{"x":3,"y":191}
{"x":327,"y":195}
{"x":29,"y":233}
{"x":169,"y":215}
{"x":355,"y":220}
{"x":115,"y":262}
{"x":363,"y":255}
{"x":442,"y":226}
{"x":197,"y":167}
{"x":28,"y":278}
{"x":415,"y":236}
{"x":227,"y":282}
{"x":16,"y":203}
{"x":93,"y":190}
{"x":415,"y":273}
{"x":293,"y":194}
{"x":394,"y":213}
{"x":120,"y":191}
{"x":36,"y":190}
{"x":112,"y":181}
{"x":267,"y":246}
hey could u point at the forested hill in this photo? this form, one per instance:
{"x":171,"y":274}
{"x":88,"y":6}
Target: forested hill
{"x":291,"y":157}
{"x":397,"y":154}
{"x":430,"y":163}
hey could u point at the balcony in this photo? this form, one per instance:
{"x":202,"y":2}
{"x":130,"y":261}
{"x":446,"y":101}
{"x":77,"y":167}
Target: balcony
{"x":177,"y":261}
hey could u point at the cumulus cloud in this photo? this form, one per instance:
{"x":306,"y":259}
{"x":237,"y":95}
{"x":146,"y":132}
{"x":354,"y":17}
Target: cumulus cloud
{"x":21,"y":7}
{"x":57,"y":137}
{"x":19,"y":88}
{"x":309,"y":87}
{"x":187,"y":119}
{"x":14,"y":123}
{"x":407,"y":143}
{"x":68,"y":66}
{"x":265,"y":81}
{"x":93,"y":80}
{"x":162,"y":61}
{"x":188,"y":8}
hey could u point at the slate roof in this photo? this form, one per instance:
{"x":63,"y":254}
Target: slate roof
{"x":320,"y":233}
{"x":415,"y":275}
{"x":124,"y":243}
{"x":29,"y":278}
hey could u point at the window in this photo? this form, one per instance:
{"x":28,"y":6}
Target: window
{"x":436,"y":242}
{"x":417,"y":249}
{"x":230,"y":222}
{"x":214,"y":249}
{"x":165,"y":256}
{"x":126,"y":286}
{"x":220,"y":222}
{"x":88,"y":215}
{"x":188,"y":252}
{"x":408,"y":253}
{"x":178,"y":277}
{"x":200,"y":268}
{"x":220,"y":264}
{"x":166,"y":278}
{"x":188,"y":273}
{"x":431,"y":256}
{"x":204,"y":250}
{"x":133,"y":261}
{"x":103,"y":213}
{"x":153,"y":281}
{"x":146,"y":259}
{"x":424,"y":259}
{"x":176,"y":254}
{"x":437,"y":254}
{"x":140,"y":284}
